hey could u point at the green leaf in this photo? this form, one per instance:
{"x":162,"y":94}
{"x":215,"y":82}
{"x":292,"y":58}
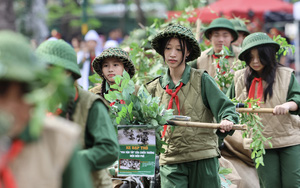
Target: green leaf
{"x":117,"y":79}
{"x":225,"y":171}
{"x":114,"y":86}
{"x":126,"y":75}
{"x":130,"y":108}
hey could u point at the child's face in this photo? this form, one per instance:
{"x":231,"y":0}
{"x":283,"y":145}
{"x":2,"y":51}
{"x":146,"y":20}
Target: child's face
{"x":219,"y":38}
{"x":255,"y":63}
{"x":240,"y":39}
{"x":112,"y":67}
{"x":13,"y":102}
{"x":173,"y":53}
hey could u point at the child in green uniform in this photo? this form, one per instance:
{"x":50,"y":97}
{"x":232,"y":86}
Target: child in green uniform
{"x":111,"y":62}
{"x":276,"y":87}
{"x":190,"y":158}
{"x":43,"y":160}
{"x":99,"y":140}
{"x":220,"y":32}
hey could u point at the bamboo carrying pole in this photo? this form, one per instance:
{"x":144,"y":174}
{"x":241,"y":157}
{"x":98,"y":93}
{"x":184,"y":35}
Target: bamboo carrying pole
{"x":204,"y":125}
{"x":259,"y":110}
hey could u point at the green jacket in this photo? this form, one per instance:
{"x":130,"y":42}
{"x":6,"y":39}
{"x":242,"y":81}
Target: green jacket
{"x":191,"y":144}
{"x":100,"y":143}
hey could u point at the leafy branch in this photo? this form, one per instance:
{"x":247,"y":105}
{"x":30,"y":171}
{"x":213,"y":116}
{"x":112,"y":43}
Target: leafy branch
{"x":52,"y":88}
{"x":254,"y":131}
{"x":225,"y":73}
{"x":139,"y":109}
{"x":285,"y":47}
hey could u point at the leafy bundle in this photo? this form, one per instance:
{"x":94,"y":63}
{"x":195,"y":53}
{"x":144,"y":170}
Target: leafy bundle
{"x":51,"y":89}
{"x":254,"y":131}
{"x":137,"y":109}
{"x":224,"y":76}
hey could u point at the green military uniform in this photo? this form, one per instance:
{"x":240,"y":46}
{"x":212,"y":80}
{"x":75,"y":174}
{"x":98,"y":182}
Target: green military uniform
{"x":62,"y":167}
{"x":221,"y":108}
{"x":281,"y":167}
{"x":206,"y":60}
{"x":99,"y":140}
{"x":190,"y":158}
{"x":100,"y":143}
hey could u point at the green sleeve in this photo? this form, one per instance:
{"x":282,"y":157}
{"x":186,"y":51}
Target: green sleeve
{"x":100,"y":138}
{"x":231,"y":91}
{"x":294,"y":94}
{"x":219,"y":104}
{"x":76,"y":173}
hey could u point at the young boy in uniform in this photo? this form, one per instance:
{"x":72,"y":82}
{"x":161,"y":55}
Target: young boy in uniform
{"x":99,"y":139}
{"x":45,"y":160}
{"x":221,"y":33}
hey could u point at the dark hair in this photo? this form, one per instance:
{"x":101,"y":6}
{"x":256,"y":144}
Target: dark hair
{"x":5,"y":84}
{"x":267,"y":56}
{"x":103,"y":89}
{"x":182,"y":43}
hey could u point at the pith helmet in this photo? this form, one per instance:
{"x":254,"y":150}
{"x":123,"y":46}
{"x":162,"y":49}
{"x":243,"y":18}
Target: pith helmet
{"x":254,"y":40}
{"x":59,"y":53}
{"x":221,"y":23}
{"x":176,"y":30}
{"x":239,"y":25}
{"x":116,"y":53}
{"x":17,"y":59}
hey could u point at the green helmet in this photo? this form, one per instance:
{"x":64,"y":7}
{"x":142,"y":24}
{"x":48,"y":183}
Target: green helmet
{"x":240,"y":25}
{"x":254,"y":40}
{"x":59,"y":53}
{"x":221,"y":23}
{"x":117,"y":53}
{"x":176,"y":30}
{"x":17,"y":59}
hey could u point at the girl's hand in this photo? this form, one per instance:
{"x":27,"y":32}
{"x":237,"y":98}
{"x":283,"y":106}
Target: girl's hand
{"x":226,"y":125}
{"x":281,"y":109}
{"x":285,"y":108}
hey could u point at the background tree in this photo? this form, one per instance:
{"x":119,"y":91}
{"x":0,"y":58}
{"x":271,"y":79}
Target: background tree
{"x":31,"y":19}
{"x":65,"y":16}
{"x":7,"y":15}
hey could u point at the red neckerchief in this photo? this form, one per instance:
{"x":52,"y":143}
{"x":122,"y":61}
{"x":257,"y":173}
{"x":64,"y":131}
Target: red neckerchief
{"x":218,"y":62}
{"x":173,"y":95}
{"x":58,"y":111}
{"x":113,"y":103}
{"x":260,"y":90}
{"x":92,"y":57}
{"x":7,"y":178}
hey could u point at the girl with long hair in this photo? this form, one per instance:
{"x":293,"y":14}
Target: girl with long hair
{"x":275,"y":86}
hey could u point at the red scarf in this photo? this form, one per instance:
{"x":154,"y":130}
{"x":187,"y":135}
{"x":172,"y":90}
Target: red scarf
{"x":260,"y":90}
{"x":218,"y":57}
{"x":7,"y":178}
{"x":173,"y":95}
